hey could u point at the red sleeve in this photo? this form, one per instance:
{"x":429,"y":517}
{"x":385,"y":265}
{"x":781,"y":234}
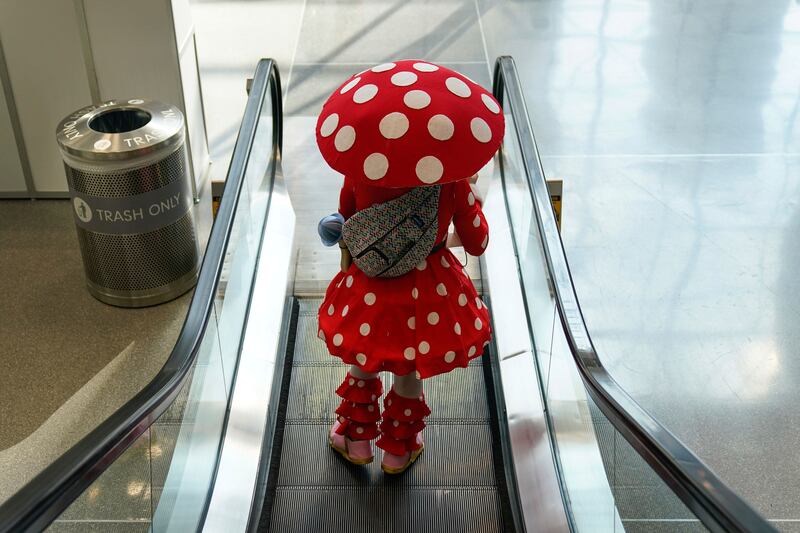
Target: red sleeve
{"x":347,"y":199}
{"x":469,"y":221}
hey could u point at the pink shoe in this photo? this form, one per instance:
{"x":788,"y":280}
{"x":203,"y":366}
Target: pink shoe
{"x":397,"y":464}
{"x":358,"y":452}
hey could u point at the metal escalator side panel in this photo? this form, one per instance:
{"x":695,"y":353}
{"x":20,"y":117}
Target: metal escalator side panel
{"x":705,"y":497}
{"x":535,"y":472}
{"x":237,"y":474}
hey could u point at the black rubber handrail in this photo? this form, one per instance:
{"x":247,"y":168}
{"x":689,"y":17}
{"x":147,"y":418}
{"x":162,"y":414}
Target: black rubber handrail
{"x":715,"y":505}
{"x":47,"y":495}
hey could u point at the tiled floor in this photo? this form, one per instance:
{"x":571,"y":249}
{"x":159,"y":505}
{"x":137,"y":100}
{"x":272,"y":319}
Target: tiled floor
{"x":676,"y":129}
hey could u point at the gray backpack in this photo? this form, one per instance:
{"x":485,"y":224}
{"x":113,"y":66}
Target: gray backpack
{"x":389,"y":239}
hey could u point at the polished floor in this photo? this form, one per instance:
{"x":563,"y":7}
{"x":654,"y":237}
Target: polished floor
{"x":68,"y":361}
{"x":676,"y":129}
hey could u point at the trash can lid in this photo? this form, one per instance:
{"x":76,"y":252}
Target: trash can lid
{"x":119,"y":130}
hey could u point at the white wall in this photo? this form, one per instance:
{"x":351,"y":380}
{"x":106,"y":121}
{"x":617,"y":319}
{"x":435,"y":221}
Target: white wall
{"x":48,"y":78}
{"x":142,"y":49}
{"x":12,"y":179}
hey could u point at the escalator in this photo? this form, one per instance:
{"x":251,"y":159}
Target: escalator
{"x":231,"y":434}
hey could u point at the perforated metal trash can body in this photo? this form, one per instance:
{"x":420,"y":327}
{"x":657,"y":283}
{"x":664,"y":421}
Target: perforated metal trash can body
{"x":128,"y":174}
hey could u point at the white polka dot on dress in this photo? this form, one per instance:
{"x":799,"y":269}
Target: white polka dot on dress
{"x":362,"y":360}
{"x":485,"y":242}
{"x":370,"y":298}
{"x":449,"y":357}
{"x":490,"y":104}
{"x":412,"y":322}
{"x":444,"y":262}
{"x":417,"y":99}
{"x":458,"y":87}
{"x":407,"y":412}
{"x":375,"y":166}
{"x":345,"y":310}
{"x":395,"y":423}
{"x":476,"y":221}
{"x":422,"y":265}
{"x":472,"y":351}
{"x":429,"y":169}
{"x":360,"y":383}
{"x":359,"y":430}
{"x":365,"y":93}
{"x":349,"y":281}
{"x":478,"y":323}
{"x":330,"y":310}
{"x":350,"y":84}
{"x":321,"y":335}
{"x":338,"y":339}
{"x":329,"y":125}
{"x":424,"y":347}
{"x":462,"y":299}
{"x":403,"y":79}
{"x":370,"y":408}
{"x":457,"y":328}
{"x":480,"y":130}
{"x":345,"y":138}
{"x":433,"y":318}
{"x":409,"y":353}
{"x":351,"y":382}
{"x":414,"y":293}
{"x":441,"y":290}
{"x":441,"y":127}
{"x":364,"y":329}
{"x":471,"y":199}
{"x":394,"y":125}
{"x":478,"y":303}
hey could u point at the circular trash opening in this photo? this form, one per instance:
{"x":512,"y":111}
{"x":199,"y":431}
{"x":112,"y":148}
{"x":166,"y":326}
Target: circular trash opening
{"x":120,"y":120}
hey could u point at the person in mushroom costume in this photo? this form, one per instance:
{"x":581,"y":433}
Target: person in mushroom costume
{"x":409,"y":136}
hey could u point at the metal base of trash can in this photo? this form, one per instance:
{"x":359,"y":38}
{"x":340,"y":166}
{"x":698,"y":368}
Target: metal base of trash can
{"x":145,"y":298}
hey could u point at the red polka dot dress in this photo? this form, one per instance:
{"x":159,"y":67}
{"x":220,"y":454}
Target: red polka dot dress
{"x":389,"y":129}
{"x":429,"y":320}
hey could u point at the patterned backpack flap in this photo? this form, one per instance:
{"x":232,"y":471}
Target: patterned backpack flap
{"x":389,"y":239}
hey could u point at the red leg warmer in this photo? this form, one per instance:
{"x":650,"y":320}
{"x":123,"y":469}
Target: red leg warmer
{"x":359,"y":411}
{"x":403,"y":418}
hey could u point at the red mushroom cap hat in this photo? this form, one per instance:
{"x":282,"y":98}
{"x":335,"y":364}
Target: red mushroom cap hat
{"x":409,"y":123}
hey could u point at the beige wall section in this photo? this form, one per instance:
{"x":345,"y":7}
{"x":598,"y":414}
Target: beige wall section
{"x":195,"y":126}
{"x":143,"y":49}
{"x":48,"y":78}
{"x":12,"y":180}
{"x":133,"y":46}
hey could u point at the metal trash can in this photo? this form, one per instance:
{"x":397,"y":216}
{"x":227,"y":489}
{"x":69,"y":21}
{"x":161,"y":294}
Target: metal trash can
{"x":131,"y":191}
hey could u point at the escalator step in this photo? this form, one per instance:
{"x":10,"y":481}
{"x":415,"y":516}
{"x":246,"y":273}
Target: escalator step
{"x":386,"y":509}
{"x":451,"y":487}
{"x":456,"y":456}
{"x":456,"y":397}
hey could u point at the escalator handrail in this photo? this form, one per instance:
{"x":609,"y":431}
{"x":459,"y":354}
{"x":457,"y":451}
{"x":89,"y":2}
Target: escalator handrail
{"x":713,"y":502}
{"x":47,"y":495}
